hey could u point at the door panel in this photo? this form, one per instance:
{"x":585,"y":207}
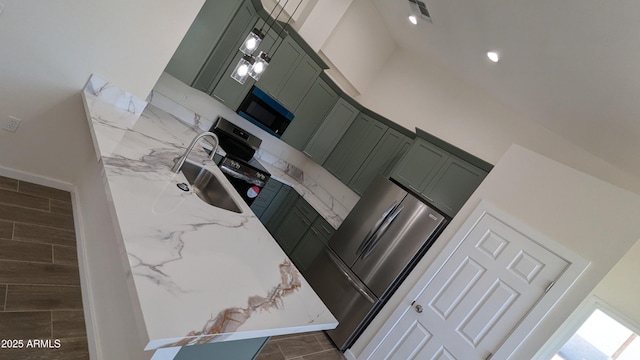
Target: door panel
{"x":478,"y":297}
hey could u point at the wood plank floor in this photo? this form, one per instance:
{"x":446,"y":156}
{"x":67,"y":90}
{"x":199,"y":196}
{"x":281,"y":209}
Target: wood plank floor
{"x":40,"y":296}
{"x":305,"y":346}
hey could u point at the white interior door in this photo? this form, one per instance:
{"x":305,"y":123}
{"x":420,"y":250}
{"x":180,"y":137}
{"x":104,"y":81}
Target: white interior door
{"x":477,"y":297}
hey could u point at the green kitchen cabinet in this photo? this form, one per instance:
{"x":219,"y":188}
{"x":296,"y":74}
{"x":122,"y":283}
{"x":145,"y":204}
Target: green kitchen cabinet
{"x":381,"y":160}
{"x":230,"y":92}
{"x":353,"y":148}
{"x":225,"y":50}
{"x":266,"y":197}
{"x":419,"y":165}
{"x":310,"y":113}
{"x":290,"y":74}
{"x":223,"y":350}
{"x":203,"y":36}
{"x":453,"y":184}
{"x":311,"y":244}
{"x":279,"y":207}
{"x":331,"y":130}
{"x":295,"y":224}
{"x":443,"y":179}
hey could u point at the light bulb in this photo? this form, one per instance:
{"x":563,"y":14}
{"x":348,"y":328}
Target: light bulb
{"x":251,"y":44}
{"x":413,"y":19}
{"x":493,"y":56}
{"x":258,"y":67}
{"x":243,"y":70}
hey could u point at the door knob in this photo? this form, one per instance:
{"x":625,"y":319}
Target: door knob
{"x":419,"y":308}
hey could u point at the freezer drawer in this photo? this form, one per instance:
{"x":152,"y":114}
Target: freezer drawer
{"x":341,"y":291}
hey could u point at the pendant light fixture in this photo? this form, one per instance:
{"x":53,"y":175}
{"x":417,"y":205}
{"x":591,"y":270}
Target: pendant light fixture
{"x":255,"y":67}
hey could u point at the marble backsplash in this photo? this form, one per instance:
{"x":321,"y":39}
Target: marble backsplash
{"x":312,"y":181}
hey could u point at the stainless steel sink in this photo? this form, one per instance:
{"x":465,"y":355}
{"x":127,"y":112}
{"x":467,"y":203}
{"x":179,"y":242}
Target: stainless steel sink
{"x":208,"y":188}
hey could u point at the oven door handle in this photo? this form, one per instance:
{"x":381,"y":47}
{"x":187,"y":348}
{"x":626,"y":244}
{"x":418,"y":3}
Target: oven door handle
{"x":233,"y":173}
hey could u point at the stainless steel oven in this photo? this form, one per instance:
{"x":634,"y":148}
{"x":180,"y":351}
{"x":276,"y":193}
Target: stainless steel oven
{"x":265,"y":112}
{"x":239,"y":166}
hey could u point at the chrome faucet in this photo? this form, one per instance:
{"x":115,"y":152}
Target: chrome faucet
{"x":180,"y":161}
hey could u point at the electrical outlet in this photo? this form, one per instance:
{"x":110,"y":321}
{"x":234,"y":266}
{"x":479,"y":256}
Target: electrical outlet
{"x":11,"y":124}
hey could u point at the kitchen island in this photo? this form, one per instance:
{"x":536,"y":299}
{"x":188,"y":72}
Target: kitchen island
{"x":197,"y":274}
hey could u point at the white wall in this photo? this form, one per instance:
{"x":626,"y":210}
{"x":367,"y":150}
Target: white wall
{"x":321,"y":21}
{"x":359,"y":46}
{"x":594,"y":219}
{"x":415,"y":92}
{"x":50,"y":48}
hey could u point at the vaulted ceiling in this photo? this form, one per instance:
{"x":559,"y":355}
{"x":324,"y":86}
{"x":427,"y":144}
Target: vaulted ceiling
{"x":572,"y":65}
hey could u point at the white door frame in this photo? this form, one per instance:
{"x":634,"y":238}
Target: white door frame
{"x":577,"y":266}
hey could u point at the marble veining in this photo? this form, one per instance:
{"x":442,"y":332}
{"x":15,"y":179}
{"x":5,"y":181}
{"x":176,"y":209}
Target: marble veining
{"x":184,"y":259}
{"x":230,"y":319}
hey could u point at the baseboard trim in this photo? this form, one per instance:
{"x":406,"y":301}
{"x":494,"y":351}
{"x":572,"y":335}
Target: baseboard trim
{"x":349,"y":355}
{"x":36,"y":179}
{"x":85,"y":278}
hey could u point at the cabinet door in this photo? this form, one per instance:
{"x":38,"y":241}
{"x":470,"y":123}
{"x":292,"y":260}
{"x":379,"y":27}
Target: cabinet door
{"x":453,"y":185}
{"x":309,"y":114}
{"x":354,"y":147}
{"x":231,"y":92}
{"x":277,"y":210}
{"x":330,"y":131}
{"x":204,"y":34}
{"x":227,"y":47}
{"x":282,"y":64}
{"x":380,"y":159}
{"x":420,"y":165}
{"x":299,"y":82}
{"x":291,"y":230}
{"x":311,"y":244}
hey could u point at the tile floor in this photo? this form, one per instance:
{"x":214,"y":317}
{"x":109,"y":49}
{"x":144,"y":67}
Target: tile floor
{"x":306,"y":346}
{"x":40,"y":296}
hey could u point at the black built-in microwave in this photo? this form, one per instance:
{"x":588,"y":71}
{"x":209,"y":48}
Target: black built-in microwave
{"x":265,"y":112}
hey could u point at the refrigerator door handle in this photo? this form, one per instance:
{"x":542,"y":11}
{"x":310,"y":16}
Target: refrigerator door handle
{"x":374,"y":229}
{"x":380,"y":233}
{"x":345,"y":272}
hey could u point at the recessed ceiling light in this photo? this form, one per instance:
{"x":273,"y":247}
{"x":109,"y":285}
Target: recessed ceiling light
{"x":493,"y":56}
{"x":413,"y":19}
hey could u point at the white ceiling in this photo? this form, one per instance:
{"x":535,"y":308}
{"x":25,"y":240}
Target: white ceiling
{"x":571,"y":65}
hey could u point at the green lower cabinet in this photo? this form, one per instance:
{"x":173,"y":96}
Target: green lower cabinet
{"x":294,"y":225}
{"x":357,"y":143}
{"x":309,"y":115}
{"x":381,"y":160}
{"x":278,"y":209}
{"x":238,"y":349}
{"x":311,"y":244}
{"x":330,"y":131}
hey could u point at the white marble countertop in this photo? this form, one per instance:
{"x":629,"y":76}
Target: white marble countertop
{"x":198,"y":273}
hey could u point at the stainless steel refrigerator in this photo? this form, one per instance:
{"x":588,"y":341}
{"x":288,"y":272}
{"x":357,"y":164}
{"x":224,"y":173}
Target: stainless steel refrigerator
{"x":373,"y":250}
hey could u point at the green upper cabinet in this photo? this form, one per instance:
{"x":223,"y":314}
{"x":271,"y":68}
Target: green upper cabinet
{"x":225,"y":50}
{"x":230,"y":92}
{"x":443,"y":179}
{"x":202,"y":37}
{"x":330,"y":131}
{"x":310,"y":113}
{"x":453,"y":185}
{"x":290,"y":74}
{"x":419,"y":165}
{"x":354,"y":147}
{"x":381,"y":160}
